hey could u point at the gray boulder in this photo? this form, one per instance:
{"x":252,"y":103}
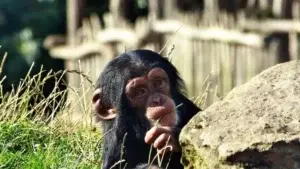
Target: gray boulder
{"x":257,"y":125}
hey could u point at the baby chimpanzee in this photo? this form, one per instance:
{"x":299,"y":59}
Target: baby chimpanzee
{"x":140,"y":101}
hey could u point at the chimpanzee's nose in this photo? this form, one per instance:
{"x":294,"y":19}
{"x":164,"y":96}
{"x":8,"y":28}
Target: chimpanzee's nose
{"x":157,"y":99}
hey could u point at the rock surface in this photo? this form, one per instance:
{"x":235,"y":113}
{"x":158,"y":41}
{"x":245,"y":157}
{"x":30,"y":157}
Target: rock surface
{"x":257,"y":125}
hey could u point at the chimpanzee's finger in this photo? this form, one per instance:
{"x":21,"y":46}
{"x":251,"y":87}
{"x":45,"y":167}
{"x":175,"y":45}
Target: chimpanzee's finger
{"x":154,"y":132}
{"x":162,"y":140}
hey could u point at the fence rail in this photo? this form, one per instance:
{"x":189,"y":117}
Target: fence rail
{"x":213,"y":54}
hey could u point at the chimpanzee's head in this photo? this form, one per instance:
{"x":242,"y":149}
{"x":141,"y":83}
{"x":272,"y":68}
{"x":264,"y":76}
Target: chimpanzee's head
{"x":141,"y":81}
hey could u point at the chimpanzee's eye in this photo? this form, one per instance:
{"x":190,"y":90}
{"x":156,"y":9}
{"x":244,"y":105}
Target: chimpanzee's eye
{"x":140,"y":92}
{"x":159,"y":83}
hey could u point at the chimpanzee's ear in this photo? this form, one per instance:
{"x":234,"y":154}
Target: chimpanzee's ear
{"x":102,"y":112}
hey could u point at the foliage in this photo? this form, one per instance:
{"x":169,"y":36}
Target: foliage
{"x":24,"y":25}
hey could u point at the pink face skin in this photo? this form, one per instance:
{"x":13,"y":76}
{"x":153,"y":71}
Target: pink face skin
{"x":153,"y":92}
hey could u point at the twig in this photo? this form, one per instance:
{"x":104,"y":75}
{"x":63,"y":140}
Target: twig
{"x":171,"y":38}
{"x":170,"y":52}
{"x":82,"y":74}
{"x":3,"y":61}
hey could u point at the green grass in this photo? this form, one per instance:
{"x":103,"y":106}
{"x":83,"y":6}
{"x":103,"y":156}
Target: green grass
{"x":31,"y":142}
{"x":29,"y":145}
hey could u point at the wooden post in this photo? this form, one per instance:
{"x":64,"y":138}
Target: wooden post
{"x":155,"y":9}
{"x":156,"y":12}
{"x":72,"y":25}
{"x":72,"y":20}
{"x":293,"y":36}
{"x":169,"y":7}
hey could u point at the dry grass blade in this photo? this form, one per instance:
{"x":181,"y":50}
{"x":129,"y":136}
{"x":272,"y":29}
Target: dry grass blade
{"x":160,"y":160}
{"x":169,"y":40}
{"x":170,"y":52}
{"x":82,"y":74}
{"x":120,"y":161}
{"x":122,"y":150}
{"x":157,"y":156}
{"x":157,"y":121}
{"x":200,"y":98}
{"x":2,"y":62}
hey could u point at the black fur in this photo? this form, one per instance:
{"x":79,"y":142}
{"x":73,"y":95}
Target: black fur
{"x":127,"y":124}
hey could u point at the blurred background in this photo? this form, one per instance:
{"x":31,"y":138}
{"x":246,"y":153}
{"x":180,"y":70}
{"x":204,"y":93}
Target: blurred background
{"x":215,"y":44}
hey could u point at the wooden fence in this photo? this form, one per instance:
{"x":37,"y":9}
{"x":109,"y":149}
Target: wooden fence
{"x":214,"y":51}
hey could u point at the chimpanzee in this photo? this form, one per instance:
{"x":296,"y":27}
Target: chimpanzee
{"x":140,"y":100}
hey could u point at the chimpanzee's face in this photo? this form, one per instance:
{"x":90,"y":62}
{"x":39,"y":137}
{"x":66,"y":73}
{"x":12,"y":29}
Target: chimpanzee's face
{"x":150,"y":94}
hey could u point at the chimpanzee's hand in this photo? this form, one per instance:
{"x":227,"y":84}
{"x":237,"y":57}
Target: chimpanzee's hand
{"x":162,"y":136}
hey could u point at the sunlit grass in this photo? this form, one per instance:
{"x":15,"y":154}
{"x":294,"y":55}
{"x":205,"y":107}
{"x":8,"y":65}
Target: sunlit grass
{"x":25,"y":144}
{"x":31,"y":139}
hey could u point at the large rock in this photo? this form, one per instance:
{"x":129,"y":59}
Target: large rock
{"x":257,"y":125}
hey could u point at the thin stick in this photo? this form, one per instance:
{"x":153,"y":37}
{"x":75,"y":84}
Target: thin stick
{"x":122,"y":150}
{"x":171,"y":38}
{"x":170,"y":52}
{"x":3,"y":61}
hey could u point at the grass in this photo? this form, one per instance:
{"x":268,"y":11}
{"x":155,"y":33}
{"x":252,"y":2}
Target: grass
{"x":29,"y":140}
{"x":30,"y":145}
